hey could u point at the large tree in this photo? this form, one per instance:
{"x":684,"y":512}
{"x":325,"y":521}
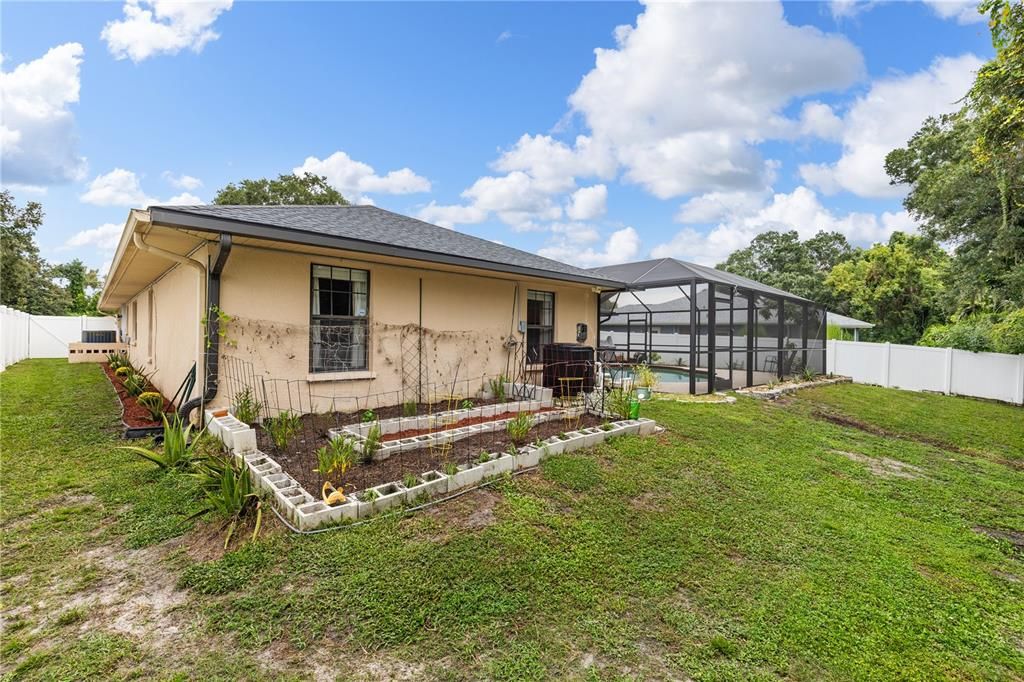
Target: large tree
{"x":285,"y":189}
{"x":781,"y":260}
{"x":898,"y":286}
{"x":26,"y":280}
{"x":81,"y":288}
{"x":966,"y":176}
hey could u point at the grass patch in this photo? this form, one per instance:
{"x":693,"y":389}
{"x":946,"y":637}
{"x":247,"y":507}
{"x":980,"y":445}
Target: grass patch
{"x":740,"y":544}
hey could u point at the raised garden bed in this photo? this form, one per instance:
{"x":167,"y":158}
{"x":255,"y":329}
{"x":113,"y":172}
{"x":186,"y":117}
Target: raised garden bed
{"x":300,"y":461}
{"x":136,"y":419}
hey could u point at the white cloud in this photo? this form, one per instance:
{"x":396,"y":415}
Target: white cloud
{"x":186,"y":182}
{"x":183,"y":199}
{"x":818,"y":120}
{"x":799,"y":210}
{"x":691,"y":89}
{"x":104,"y":238}
{"x":122,"y":187}
{"x":503,"y":36}
{"x":623,"y":245}
{"x":517,"y":198}
{"x":450,"y":216}
{"x":884,"y":119}
{"x":587,"y":203}
{"x":712,"y":206}
{"x":354,"y":178}
{"x":119,"y":187}
{"x":963,"y":11}
{"x":167,"y":27}
{"x":37,"y":134}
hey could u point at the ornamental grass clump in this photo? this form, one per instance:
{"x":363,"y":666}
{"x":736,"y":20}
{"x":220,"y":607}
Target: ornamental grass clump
{"x":371,"y":445}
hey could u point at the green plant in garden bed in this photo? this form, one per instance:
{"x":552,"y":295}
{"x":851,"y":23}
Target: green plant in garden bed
{"x":123,"y":371}
{"x":178,"y":446}
{"x":282,"y":428}
{"x":617,"y":402}
{"x":409,"y":408}
{"x":450,"y":468}
{"x":497,"y":386}
{"x":335,"y":458}
{"x":153,"y":402}
{"x":135,"y":383}
{"x":518,"y":428}
{"x":410,"y":480}
{"x":228,"y":493}
{"x":371,"y":444}
{"x":117,"y":361}
{"x":368,"y":416}
{"x":247,"y":408}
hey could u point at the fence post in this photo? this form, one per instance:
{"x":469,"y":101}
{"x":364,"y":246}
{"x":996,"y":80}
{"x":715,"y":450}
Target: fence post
{"x":947,"y":380}
{"x":830,"y":356}
{"x":1020,"y":379}
{"x":886,"y":355}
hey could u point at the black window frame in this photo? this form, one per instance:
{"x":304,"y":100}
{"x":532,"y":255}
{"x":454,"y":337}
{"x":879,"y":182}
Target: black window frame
{"x":315,"y":320}
{"x":539,"y":327}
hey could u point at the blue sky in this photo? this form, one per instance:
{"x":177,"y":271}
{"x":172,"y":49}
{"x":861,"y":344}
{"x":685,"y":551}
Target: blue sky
{"x":695,"y":127}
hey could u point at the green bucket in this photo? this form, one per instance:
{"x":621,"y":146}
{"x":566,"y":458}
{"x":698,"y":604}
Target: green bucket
{"x":634,"y":408}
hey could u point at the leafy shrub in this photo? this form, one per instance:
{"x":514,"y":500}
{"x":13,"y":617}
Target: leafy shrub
{"x":1008,"y":335}
{"x":369,"y":416}
{"x":372,"y":444}
{"x":179,"y":448}
{"x":282,"y":428}
{"x":247,"y":408}
{"x":971,"y":333}
{"x":153,"y":402}
{"x":466,"y":404}
{"x":518,"y":428}
{"x":228,"y":493}
{"x":123,"y":371}
{"x":617,"y":402}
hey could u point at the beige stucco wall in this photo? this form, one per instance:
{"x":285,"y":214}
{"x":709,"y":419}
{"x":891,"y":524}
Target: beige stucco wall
{"x":466,"y":318}
{"x":175,"y":323}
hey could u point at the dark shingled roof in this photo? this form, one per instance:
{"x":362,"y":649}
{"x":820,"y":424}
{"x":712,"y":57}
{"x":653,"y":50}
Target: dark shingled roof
{"x":372,"y":230}
{"x":667,"y":272}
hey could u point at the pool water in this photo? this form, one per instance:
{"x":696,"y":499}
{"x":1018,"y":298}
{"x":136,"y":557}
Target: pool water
{"x":667,"y":375}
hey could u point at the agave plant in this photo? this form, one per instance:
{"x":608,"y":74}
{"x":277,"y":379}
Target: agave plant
{"x":153,"y":402}
{"x":228,"y":493}
{"x":179,"y":447}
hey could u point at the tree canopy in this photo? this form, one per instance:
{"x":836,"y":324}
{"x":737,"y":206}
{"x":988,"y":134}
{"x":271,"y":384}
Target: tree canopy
{"x":292,"y":189}
{"x":781,"y":260}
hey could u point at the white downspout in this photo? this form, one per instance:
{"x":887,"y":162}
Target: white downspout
{"x":200,"y":292}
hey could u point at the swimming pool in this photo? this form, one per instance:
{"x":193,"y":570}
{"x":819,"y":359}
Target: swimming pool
{"x":666,"y":375}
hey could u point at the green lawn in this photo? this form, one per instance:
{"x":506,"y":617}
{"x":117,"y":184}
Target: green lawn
{"x":749,"y":541}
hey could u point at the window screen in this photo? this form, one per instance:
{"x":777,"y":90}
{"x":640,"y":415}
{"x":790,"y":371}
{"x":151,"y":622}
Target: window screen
{"x":338,"y":319}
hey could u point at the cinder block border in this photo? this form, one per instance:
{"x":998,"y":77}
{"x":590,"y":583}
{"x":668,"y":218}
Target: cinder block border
{"x":305,"y":511}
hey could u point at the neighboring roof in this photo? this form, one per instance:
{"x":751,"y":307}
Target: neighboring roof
{"x":369,"y":229}
{"x":844,"y":322}
{"x":666,"y":272}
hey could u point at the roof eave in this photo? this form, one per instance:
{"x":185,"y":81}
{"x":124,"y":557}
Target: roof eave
{"x":171,"y":217}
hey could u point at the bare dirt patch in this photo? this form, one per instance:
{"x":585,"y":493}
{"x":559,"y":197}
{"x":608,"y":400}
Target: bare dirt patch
{"x":884,"y":467}
{"x":1014,"y":537}
{"x":472,"y":511}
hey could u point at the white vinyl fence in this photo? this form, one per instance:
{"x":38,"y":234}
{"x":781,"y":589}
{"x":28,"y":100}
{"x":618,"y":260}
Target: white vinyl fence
{"x":918,"y":368}
{"x":43,"y":336}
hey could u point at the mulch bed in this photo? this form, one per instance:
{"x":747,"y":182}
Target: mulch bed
{"x":299,"y":460}
{"x":134,"y":415}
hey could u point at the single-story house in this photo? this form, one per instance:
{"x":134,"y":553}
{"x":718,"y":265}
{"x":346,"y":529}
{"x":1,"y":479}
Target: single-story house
{"x":331,"y":302}
{"x":848,"y":323}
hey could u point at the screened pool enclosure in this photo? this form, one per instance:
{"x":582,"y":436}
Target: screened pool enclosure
{"x":692,"y":323}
